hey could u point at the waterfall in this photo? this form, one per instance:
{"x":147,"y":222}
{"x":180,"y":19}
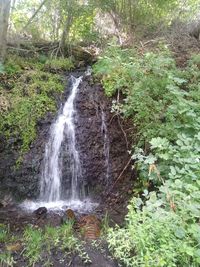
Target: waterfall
{"x":62,"y":140}
{"x":106,"y":147}
{"x":50,"y":188}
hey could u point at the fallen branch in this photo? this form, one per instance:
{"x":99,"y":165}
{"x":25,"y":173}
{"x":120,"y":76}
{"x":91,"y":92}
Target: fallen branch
{"x":21,"y":49}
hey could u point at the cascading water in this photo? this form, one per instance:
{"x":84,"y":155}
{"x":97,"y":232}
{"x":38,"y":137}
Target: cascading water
{"x":53,"y":193}
{"x":50,"y":189}
{"x":106,"y":147}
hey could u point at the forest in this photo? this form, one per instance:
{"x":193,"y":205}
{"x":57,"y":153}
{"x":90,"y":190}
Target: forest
{"x":100,"y":133}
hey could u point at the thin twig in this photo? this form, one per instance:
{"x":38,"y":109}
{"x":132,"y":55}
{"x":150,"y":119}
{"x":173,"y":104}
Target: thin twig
{"x":123,"y":132}
{"x":131,"y":128}
{"x":112,"y":118}
{"x":119,"y":177}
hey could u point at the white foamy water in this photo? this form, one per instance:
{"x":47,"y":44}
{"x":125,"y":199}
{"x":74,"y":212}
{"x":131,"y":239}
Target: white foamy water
{"x":80,"y":206}
{"x":50,"y":189}
{"x":106,"y":147}
{"x":53,"y":195}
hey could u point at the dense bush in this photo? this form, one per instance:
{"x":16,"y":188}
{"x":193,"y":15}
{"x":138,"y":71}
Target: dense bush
{"x":163,"y":101}
{"x":150,"y":84}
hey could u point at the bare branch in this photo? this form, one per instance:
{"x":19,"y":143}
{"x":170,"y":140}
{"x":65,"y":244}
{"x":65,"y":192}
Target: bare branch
{"x":34,"y":15}
{"x":119,"y":177}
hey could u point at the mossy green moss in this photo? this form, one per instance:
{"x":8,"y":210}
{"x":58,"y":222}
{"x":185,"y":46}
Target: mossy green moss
{"x":58,"y":64}
{"x":31,"y":96}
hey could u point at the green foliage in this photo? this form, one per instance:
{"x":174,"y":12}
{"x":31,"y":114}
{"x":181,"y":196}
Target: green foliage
{"x":6,"y":260}
{"x":83,"y":27}
{"x":162,"y":226}
{"x":141,"y":15}
{"x":133,"y":16}
{"x":3,"y":233}
{"x":195,"y":60}
{"x":51,"y":238}
{"x":58,"y":64}
{"x":33,"y":94}
{"x":14,"y":64}
{"x":157,"y":236}
{"x":105,"y":224}
{"x":150,"y":84}
{"x":33,"y":245}
{"x":38,"y":242}
{"x":42,"y":59}
{"x":50,"y":21}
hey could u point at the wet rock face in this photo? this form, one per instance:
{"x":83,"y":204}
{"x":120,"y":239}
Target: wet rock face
{"x":24,"y":182}
{"x":90,"y":103}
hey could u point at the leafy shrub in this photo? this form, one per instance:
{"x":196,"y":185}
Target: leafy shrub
{"x":42,"y":58}
{"x":150,"y":84}
{"x":155,"y":235}
{"x":162,"y":226}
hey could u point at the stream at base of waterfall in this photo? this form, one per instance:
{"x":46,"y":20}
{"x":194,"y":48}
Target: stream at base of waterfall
{"x":54,"y":194}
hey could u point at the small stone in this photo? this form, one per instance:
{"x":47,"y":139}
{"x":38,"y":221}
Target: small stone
{"x":90,"y":227}
{"x":70,"y":215}
{"x":40,"y":211}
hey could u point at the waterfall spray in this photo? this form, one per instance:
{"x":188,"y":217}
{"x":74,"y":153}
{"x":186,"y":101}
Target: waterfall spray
{"x":106,"y":147}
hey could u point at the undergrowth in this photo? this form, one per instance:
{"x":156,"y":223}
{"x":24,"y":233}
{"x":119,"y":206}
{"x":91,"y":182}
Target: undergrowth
{"x":38,"y":245}
{"x":162,"y":226}
{"x":27,"y":92}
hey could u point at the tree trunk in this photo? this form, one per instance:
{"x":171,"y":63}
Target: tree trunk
{"x":4,"y":17}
